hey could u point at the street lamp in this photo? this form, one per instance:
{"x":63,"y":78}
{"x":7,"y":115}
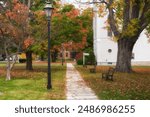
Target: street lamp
{"x":48,"y":10}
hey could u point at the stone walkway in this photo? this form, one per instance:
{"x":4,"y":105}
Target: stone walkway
{"x":1,"y":93}
{"x":76,"y":87}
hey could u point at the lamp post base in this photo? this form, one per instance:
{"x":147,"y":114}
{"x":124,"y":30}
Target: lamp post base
{"x":49,"y":87}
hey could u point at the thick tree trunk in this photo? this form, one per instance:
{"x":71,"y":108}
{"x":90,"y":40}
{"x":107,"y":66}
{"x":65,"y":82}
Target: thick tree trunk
{"x":125,"y":47}
{"x":29,"y":60}
{"x":42,"y":57}
{"x":54,"y":56}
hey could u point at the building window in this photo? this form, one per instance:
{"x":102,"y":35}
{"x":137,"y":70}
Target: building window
{"x":133,"y":56}
{"x":109,"y":50}
{"x":110,"y":63}
{"x":67,"y":54}
{"x":60,"y":54}
{"x":109,"y":32}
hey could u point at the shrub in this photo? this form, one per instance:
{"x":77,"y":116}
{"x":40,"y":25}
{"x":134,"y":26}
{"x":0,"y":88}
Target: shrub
{"x":22,"y":60}
{"x":80,"y":62}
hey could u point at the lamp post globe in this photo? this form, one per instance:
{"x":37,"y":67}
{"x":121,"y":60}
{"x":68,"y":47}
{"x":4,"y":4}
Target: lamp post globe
{"x":48,"y":10}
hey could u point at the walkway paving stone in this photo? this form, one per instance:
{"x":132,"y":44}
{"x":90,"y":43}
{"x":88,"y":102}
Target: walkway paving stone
{"x":1,"y":93}
{"x":76,"y":87}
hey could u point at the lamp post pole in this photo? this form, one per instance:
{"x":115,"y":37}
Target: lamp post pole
{"x":49,"y":84}
{"x":48,"y":10}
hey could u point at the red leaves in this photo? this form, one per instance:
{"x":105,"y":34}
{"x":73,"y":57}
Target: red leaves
{"x":79,"y":56}
{"x":15,"y":22}
{"x":28,"y":42}
{"x":19,"y":13}
{"x":73,"y":13}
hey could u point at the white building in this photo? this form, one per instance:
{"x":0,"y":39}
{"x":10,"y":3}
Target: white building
{"x":105,"y":49}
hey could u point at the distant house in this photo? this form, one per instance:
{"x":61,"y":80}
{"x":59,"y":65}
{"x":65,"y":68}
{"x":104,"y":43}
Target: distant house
{"x":105,"y":49}
{"x":67,"y":54}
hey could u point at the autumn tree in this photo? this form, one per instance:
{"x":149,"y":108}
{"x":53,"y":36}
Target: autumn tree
{"x":29,"y":39}
{"x":133,"y":18}
{"x":68,"y":30}
{"x":39,"y":32}
{"x":38,"y":23}
{"x":87,"y":21}
{"x":14,"y":28}
{"x":32,"y":42}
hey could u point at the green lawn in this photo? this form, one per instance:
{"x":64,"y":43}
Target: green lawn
{"x":135,"y":86}
{"x":26,"y":85}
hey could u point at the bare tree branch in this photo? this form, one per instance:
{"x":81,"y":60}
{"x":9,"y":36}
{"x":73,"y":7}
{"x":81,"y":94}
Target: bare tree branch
{"x":126,"y":13}
{"x":112,"y":20}
{"x":143,"y":18}
{"x":92,"y":2}
{"x":135,"y":9}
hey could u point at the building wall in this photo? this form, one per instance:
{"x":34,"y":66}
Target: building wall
{"x":142,"y":48}
{"x":66,"y":55}
{"x":106,"y":52}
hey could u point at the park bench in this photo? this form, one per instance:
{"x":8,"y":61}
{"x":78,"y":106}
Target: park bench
{"x":109,"y":74}
{"x":93,"y":70}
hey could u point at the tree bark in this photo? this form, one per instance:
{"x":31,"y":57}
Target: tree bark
{"x":29,"y":4}
{"x":29,"y":60}
{"x":42,"y":57}
{"x":54,"y":56}
{"x":8,"y":75}
{"x":62,"y":59}
{"x":124,"y":55}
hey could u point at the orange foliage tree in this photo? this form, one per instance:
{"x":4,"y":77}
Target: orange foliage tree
{"x":14,"y":30}
{"x":69,"y":30}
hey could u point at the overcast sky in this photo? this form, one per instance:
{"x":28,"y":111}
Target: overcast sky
{"x":78,"y":5}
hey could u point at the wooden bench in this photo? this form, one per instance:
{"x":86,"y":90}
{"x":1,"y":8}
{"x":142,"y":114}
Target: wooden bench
{"x":109,"y":74}
{"x":85,"y":66}
{"x":93,"y":70}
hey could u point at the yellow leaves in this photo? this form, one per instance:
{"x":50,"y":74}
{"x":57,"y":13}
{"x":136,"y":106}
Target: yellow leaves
{"x":102,"y":10}
{"x":115,"y":39}
{"x":22,"y":56}
{"x":148,"y":36}
{"x":39,"y":12}
{"x":40,"y":17}
{"x":131,"y":28}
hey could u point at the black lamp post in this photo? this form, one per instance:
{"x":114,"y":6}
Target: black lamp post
{"x":48,"y":10}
